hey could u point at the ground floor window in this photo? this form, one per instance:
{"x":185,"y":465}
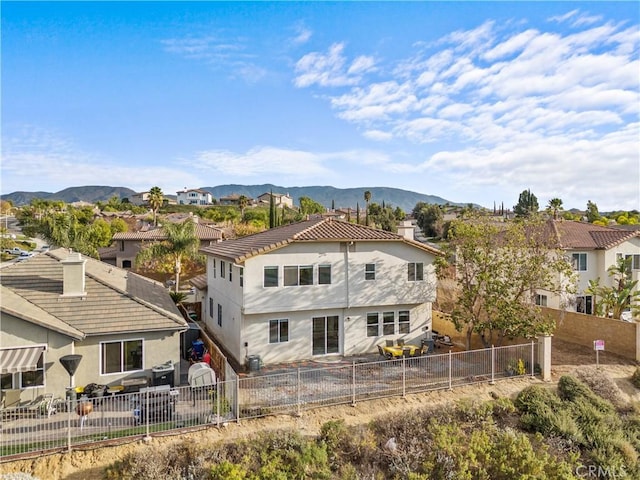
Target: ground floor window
{"x":279,"y":330}
{"x":584,"y":304}
{"x":21,"y":380}
{"x":373,"y":324}
{"x":388,"y":323}
{"x":541,"y":300}
{"x":121,"y":356}
{"x":404,"y":321}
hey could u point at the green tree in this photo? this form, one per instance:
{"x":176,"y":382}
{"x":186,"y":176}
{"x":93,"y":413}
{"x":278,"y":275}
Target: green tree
{"x":430,"y":219}
{"x":156,"y":199}
{"x":181,"y":244}
{"x":554,"y":207}
{"x":367,"y":199}
{"x":624,"y":292}
{"x":308,"y":206}
{"x":499,"y":269}
{"x":527,"y":204}
{"x":592,"y":212}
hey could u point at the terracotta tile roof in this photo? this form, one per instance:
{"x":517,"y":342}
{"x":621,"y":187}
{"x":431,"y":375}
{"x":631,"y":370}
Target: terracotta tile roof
{"x":117,"y":301}
{"x":203,"y":232}
{"x":586,"y":236}
{"x":315,"y":230}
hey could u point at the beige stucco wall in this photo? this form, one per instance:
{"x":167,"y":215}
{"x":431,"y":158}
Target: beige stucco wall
{"x":620,"y":337}
{"x":159,"y":347}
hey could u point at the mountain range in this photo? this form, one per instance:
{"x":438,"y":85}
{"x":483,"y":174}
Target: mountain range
{"x":325,"y":195}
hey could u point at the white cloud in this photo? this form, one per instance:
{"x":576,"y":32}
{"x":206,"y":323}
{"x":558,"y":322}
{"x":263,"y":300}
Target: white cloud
{"x":302,"y":35}
{"x":331,"y":69}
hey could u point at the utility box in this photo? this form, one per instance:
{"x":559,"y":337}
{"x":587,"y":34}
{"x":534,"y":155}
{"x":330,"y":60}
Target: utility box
{"x":253,"y":363}
{"x":163,"y":374}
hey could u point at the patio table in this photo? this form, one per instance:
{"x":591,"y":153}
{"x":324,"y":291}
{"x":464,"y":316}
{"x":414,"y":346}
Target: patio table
{"x":399,"y":351}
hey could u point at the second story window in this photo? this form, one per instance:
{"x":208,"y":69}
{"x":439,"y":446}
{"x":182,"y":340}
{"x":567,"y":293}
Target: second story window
{"x":213,"y":270}
{"x":579,"y":262}
{"x":219,"y":315}
{"x":324,"y":274}
{"x":270,"y":276}
{"x":298,"y":275}
{"x":370,"y":271}
{"x":222,"y":272}
{"x":241,"y":277}
{"x":231,"y":272}
{"x":415,"y":272}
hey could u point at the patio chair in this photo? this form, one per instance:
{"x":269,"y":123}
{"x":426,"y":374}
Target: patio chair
{"x":41,"y":405}
{"x":406,"y":352}
{"x":389,"y":343}
{"x":400,"y":342}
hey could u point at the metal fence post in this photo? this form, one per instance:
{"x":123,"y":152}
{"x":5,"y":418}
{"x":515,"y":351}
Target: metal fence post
{"x":493,"y":365}
{"x":298,"y":391}
{"x":69,"y":407}
{"x":533,"y":359}
{"x":237,"y":401}
{"x":404,"y":376}
{"x":353,"y":384}
{"x":450,"y":372}
{"x":218,"y":404}
{"x":147,"y":413}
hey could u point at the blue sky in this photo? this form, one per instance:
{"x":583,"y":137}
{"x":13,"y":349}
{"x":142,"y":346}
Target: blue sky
{"x":473,"y":102}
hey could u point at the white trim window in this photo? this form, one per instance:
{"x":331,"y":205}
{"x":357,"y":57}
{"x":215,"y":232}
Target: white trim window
{"x":373,"y":324}
{"x":241,"y":276}
{"x":324,"y":274}
{"x":270,"y":276}
{"x":24,"y":380}
{"x":222,"y":272}
{"x":211,"y":307}
{"x":404,"y":321}
{"x":415,"y":271}
{"x":370,"y":271}
{"x":213,"y":270}
{"x":541,"y":300}
{"x":296,"y":275}
{"x":388,"y":323}
{"x":219,"y":315}
{"x":579,"y":262}
{"x":279,"y":330}
{"x":121,"y":356}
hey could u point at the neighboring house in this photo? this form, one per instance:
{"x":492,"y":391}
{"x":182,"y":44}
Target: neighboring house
{"x":194,"y":196}
{"x":315,"y":288}
{"x":591,"y":249}
{"x":60,"y":303}
{"x":128,"y":244}
{"x":280,"y":200}
{"x":139,"y":199}
{"x":233,"y":199}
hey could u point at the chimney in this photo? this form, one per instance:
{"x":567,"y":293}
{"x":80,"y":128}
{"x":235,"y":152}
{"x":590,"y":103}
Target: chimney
{"x":73,"y":275}
{"x":406,"y":229}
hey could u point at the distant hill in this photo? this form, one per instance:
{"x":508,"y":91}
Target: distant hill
{"x":89,"y":194}
{"x":326,"y":195}
{"x":341,"y":197}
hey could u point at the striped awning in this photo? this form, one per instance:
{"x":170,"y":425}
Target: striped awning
{"x":22,"y":359}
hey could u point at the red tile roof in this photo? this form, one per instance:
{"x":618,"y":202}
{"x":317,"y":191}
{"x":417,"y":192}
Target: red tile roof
{"x":587,"y":236}
{"x":315,"y":230}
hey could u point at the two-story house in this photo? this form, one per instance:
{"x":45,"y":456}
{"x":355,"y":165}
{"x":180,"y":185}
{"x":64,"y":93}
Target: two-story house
{"x":128,"y":244}
{"x":194,"y":196}
{"x":280,"y":200}
{"x":61,"y":303}
{"x":316,"y":288}
{"x":591,"y":249}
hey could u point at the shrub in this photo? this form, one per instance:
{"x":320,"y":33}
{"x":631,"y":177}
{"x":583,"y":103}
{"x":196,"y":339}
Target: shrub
{"x":538,"y":407}
{"x":572,"y":389}
{"x":601,"y":384}
{"x":635,"y":378}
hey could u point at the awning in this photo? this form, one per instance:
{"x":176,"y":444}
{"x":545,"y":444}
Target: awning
{"x":23,"y":359}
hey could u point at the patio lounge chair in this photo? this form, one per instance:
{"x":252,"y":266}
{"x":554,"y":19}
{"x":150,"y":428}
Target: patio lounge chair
{"x":41,"y":405}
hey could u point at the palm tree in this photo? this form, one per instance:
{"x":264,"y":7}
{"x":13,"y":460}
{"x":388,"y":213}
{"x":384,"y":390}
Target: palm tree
{"x":181,"y":244}
{"x":243,"y":201}
{"x":156,"y":198}
{"x":554,"y":206}
{"x":367,"y":198}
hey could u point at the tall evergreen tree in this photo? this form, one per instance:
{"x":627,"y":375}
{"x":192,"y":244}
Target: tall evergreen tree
{"x":272,"y":211}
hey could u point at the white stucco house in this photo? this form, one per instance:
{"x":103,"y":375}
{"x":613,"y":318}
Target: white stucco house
{"x":194,"y":196}
{"x":591,"y":249}
{"x":280,"y":200}
{"x":317,"y":288}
